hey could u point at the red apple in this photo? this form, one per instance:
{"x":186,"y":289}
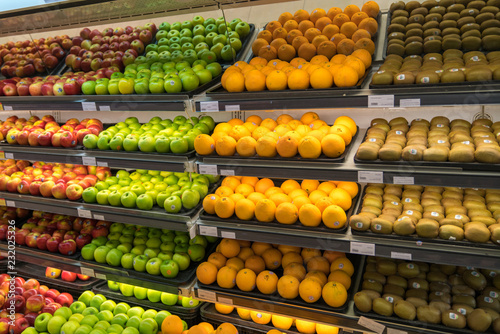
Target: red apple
{"x":35,"y":303}
{"x":19,"y":326}
{"x":31,"y":239}
{"x":82,"y":240}
{"x":51,"y":308}
{"x":68,"y":276}
{"x":67,"y":247}
{"x":100,"y":231}
{"x":70,"y":235}
{"x":65,"y":299}
{"x":83,"y":277}
{"x":52,"y":293}
{"x":53,"y":244}
{"x":41,"y":241}
{"x":20,"y":236}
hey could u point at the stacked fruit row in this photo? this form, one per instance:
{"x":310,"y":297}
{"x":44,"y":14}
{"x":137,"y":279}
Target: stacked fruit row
{"x":306,"y":272}
{"x":7,"y":215}
{"x":68,"y":276}
{"x":431,"y":212}
{"x":144,"y":190}
{"x":456,"y":297}
{"x":309,"y":137}
{"x":145,"y":249}
{"x":163,"y":136}
{"x":308,"y":202}
{"x":438,"y":140}
{"x":278,"y":321}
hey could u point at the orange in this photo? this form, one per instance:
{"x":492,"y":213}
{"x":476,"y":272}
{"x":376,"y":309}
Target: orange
{"x":284,"y":119}
{"x":319,"y":263}
{"x":308,"y":253}
{"x":279,"y":198}
{"x":334,"y":11}
{"x":245,"y":279}
{"x":229,"y":248}
{"x":245,"y":253}
{"x":287,"y":213}
{"x":235,"y":121}
{"x":276,"y":80}
{"x":264,"y":210}
{"x":309,"y":185}
{"x":230,"y":182}
{"x":269,"y":123}
{"x":238,"y":132}
{"x":371,"y":8}
{"x":356,"y":18}
{"x":291,"y":257}
{"x":309,"y":117}
{"x":282,"y":129}
{"x":341,"y":198}
{"x":319,"y":60}
{"x":351,"y":10}
{"x":272,"y":257}
{"x":255,"y":81}
{"x":361,"y":34}
{"x":224,"y":191}
{"x":209,"y":203}
{"x":342,"y":131}
{"x":266,"y":147}
{"x":340,"y":19}
{"x":285,"y":17}
{"x":322,"y":23}
{"x":296,"y":270}
{"x":309,"y":147}
{"x":344,"y":264}
{"x":204,"y":144}
{"x":260,"y":317}
{"x":305,"y":327}
{"x":226,"y":277}
{"x":365,"y":44}
{"x":285,"y":249}
{"x":255,"y":263}
{"x":217,"y":259}
{"x":273,"y":25}
{"x":341,"y":277}
{"x":348,"y":122}
{"x":350,"y":187}
{"x":315,"y":125}
{"x":288,"y":287}
{"x":287,"y":146}
{"x":348,"y":29}
{"x":244,"y":313}
{"x":334,"y":217}
{"x":273,"y":190}
{"x":255,"y":197}
{"x":330,"y":30}
{"x":250,"y":180}
{"x":235,"y":82}
{"x":297,"y":192}
{"x":224,"y":207}
{"x":338,"y":59}
{"x":289,"y":185}
{"x":282,"y":322}
{"x":236,"y":263}
{"x":259,"y":132}
{"x":206,"y":273}
{"x":298,"y":79}
{"x":172,"y":324}
{"x":309,"y":215}
{"x":317,"y":14}
{"x":225,"y":146}
{"x":333,"y":145}
{"x":254,"y":119}
{"x":263,"y":184}
{"x":291,"y":25}
{"x":233,"y":69}
{"x":316,"y":195}
{"x":332,"y":255}
{"x":326,"y":329}
{"x":250,"y":126}
{"x":244,"y":209}
{"x":310,"y":290}
{"x":345,"y":46}
{"x":301,"y":200}
{"x":245,"y":146}
{"x":323,"y":203}
{"x":226,"y":328}
{"x":357,"y":64}
{"x":301,"y":15}
{"x":364,"y":56}
{"x":318,"y":276}
{"x":208,"y":327}
{"x":223,"y":127}
{"x":321,"y":78}
{"x":327,"y":186}
{"x":303,"y":27}
{"x":334,"y":294}
{"x":267,"y":282}
{"x":369,"y":24}
{"x":258,"y":60}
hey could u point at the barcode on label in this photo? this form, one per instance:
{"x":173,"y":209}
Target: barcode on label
{"x":208,"y":230}
{"x":401,"y":256}
{"x":227,"y":172}
{"x":104,"y":108}
{"x":403,"y":180}
{"x":386,"y":101}
{"x":228,"y":235}
{"x":227,"y":301}
{"x":209,"y":106}
{"x":7,"y":107}
{"x":84,"y":213}
{"x":87,"y":271}
{"x":362,"y":248}
{"x":88,"y":161}
{"x":98,"y":217}
{"x":370,"y":177}
{"x":89,"y":106}
{"x":207,"y":169}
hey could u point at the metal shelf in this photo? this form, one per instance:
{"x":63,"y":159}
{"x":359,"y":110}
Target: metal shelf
{"x":349,"y":171}
{"x":153,"y":218}
{"x":114,"y":159}
{"x":94,"y":269}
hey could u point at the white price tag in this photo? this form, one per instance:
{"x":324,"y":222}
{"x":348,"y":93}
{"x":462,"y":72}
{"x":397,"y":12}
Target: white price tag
{"x":362,"y":248}
{"x":104,"y":108}
{"x":9,"y":155}
{"x":370,"y":324}
{"x":233,"y":107}
{"x":405,"y":103}
{"x":227,"y":301}
{"x":403,"y":180}
{"x":227,"y":172}
{"x":370,"y":177}
{"x":227,"y":235}
{"x":381,"y":101}
{"x":209,"y":106}
{"x":395,"y":331}
{"x":87,"y":271}
{"x":89,"y":106}
{"x":207,"y":169}
{"x":102,"y":164}
{"x":211,"y":231}
{"x":401,"y":256}
{"x":99,"y":217}
{"x":7,"y":108}
{"x":100,"y":276}
{"x":10,"y":204}
{"x":82,"y":213}
{"x":89,"y":161}
{"x":207,"y":295}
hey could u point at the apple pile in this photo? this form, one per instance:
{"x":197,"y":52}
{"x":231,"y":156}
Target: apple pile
{"x":61,"y":181}
{"x":30,"y":299}
{"x":161,"y":136}
{"x":13,"y":122}
{"x":118,"y":47}
{"x":27,"y":58}
{"x":47,"y":132}
{"x":155,"y":251}
{"x":153,"y":296}
{"x":7,"y":214}
{"x":144,"y":189}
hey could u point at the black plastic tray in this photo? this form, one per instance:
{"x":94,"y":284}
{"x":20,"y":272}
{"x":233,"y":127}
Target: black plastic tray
{"x":188,"y":154}
{"x":210,"y":314}
{"x":322,"y":158}
{"x":465,"y":84}
{"x":418,"y":239}
{"x":445,"y":164}
{"x":4,"y":143}
{"x":102,"y":288}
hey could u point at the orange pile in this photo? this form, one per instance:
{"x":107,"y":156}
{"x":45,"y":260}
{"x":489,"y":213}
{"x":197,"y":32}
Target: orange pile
{"x":323,"y":33}
{"x":172,"y":324}
{"x":307,"y":273}
{"x":309,"y":137}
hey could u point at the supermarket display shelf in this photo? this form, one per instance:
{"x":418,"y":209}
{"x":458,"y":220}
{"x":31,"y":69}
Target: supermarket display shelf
{"x":156,"y":218}
{"x":94,"y":269}
{"x":115,"y":159}
{"x":405,"y":173}
{"x":474,"y":255}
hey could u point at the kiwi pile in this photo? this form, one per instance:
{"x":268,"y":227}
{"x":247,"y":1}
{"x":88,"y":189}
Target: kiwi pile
{"x":450,"y":67}
{"x":430,"y":212}
{"x":432,"y":27}
{"x":456,"y":297}
{"x":439,"y":140}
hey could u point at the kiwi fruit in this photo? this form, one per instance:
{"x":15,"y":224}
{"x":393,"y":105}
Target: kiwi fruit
{"x":412,"y":5}
{"x":414,"y":48}
{"x":493,"y":23}
{"x":382,"y":307}
{"x":468,"y":22}
{"x":418,"y":18}
{"x":394,"y":27}
{"x":379,"y":225}
{"x":427,"y":77}
{"x":363,"y":301}
{"x":397,"y":280}
{"x":436,"y":276}
{"x":464,"y":300}
{"x":476,"y":4}
{"x":431,"y":25}
{"x":453,"y":319}
{"x":438,"y":9}
{"x":401,"y":20}
{"x":451,"y":232}
{"x":405,"y":310}
{"x":395,"y":35}
{"x":417,"y":293}
{"x":474,"y":279}
{"x":427,"y":228}
{"x":370,"y":284}
{"x":471,"y":33}
{"x":451,"y":16}
{"x":456,"y":8}
{"x":404,"y":78}
{"x":400,"y":12}
{"x":483,"y":17}
{"x":429,"y":4}
{"x":491,"y":42}
{"x":428,"y":314}
{"x":490,"y":9}
{"x":396,"y":49}
{"x":463,"y":309}
{"x":469,"y":12}
{"x":485,"y":301}
{"x":479,"y":320}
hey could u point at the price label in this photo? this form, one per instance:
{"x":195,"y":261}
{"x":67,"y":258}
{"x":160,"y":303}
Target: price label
{"x":102,"y":164}
{"x":227,"y":301}
{"x":207,"y":169}
{"x":2,"y":202}
{"x":403,"y":180}
{"x":192,"y":231}
{"x":100,"y":276}
{"x":395,"y":331}
{"x":87,"y":271}
{"x":401,"y":256}
{"x":99,"y":217}
{"x":82,"y":213}
{"x":89,"y":161}
{"x":10,"y":204}
{"x":227,"y":235}
{"x":381,"y":101}
{"x":370,"y":177}
{"x":7,"y":108}
{"x":209,"y":106}
{"x":9,"y":155}
{"x":104,"y":108}
{"x":406,"y":103}
{"x":233,"y":107}
{"x":211,"y":231}
{"x":89,"y":106}
{"x":362,"y":248}
{"x":227,"y":172}
{"x":372,"y":325}
{"x":207,"y":295}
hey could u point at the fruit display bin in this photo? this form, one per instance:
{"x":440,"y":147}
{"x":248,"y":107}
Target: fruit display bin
{"x":245,"y":45}
{"x":210,"y":314}
{"x":276,"y":298}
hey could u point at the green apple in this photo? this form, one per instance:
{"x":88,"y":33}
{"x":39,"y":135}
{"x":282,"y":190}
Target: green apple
{"x":196,"y":252}
{"x":168,"y":298}
{"x":112,"y":244}
{"x":199,"y":240}
{"x":153,"y":266}
{"x":83,"y":329}
{"x":143,"y":202}
{"x":115,"y":329}
{"x":133,"y":322}
{"x":182,"y":259}
{"x":165,"y":256}
{"x":90,"y":310}
{"x":102,"y":324}
{"x":108,"y":305}
{"x":121,"y":308}
{"x":97,"y":300}
{"x":190,"y":302}
{"x":151,"y":252}
{"x":128,"y":199}
{"x":173,"y":204}
{"x":135,"y":311}
{"x":160,"y":316}
{"x":120,"y":319}
{"x":148,"y":326}
{"x":88,"y":251}
{"x":140,"y":239}
{"x":100,"y":253}
{"x":114,"y":236}
{"x":98,"y":331}
{"x":64,"y":312}
{"x":113,"y":257}
{"x":55,"y":324}
{"x":70,"y":327}
{"x":101,"y":185}
{"x":89,"y":320}
{"x":105,"y":315}
{"x":139,"y":263}
{"x":190,"y":199}
{"x":181,"y":238}
{"x":114,"y":198}
{"x":77,"y":307}
{"x":181,"y":248}
{"x":138,"y":250}
{"x":150,"y":313}
{"x":127,"y":238}
{"x":99,"y":241}
{"x":154,"y":296}
{"x":42,"y":321}
{"x":127,"y":290}
{"x":102,"y":197}
{"x":125,"y":247}
{"x":30,"y":330}
{"x":113,"y":286}
{"x":169,"y":269}
{"x":140,"y":292}
{"x":130,"y":330}
{"x":127,"y":261}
